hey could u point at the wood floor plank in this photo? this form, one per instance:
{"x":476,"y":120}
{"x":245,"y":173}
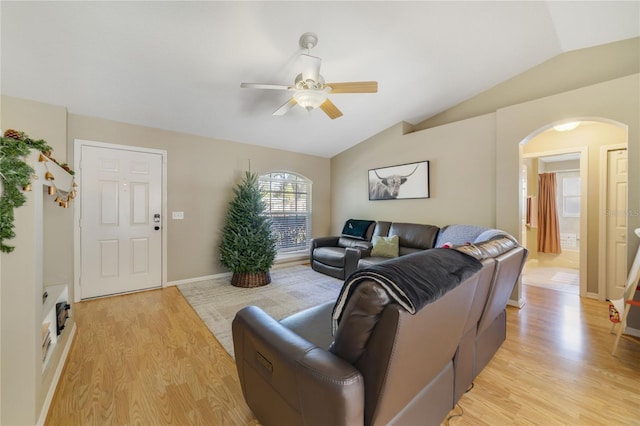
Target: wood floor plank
{"x":556,"y":368}
{"x":147,"y":358}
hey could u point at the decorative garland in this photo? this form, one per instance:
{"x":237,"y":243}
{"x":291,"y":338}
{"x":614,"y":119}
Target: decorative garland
{"x":16,"y":176}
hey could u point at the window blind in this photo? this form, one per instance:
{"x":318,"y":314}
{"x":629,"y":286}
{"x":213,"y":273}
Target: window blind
{"x":287,"y":198}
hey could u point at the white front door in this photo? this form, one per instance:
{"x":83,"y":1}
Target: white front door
{"x":120,"y":222}
{"x":616,"y":242}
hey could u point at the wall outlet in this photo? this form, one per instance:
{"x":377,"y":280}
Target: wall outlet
{"x":177,"y":215}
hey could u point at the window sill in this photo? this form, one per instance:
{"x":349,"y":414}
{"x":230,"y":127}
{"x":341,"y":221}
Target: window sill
{"x":294,"y":257}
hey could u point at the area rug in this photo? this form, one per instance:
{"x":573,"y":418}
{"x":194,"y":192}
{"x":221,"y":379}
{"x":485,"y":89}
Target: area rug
{"x":292,"y":289}
{"x":559,"y":281}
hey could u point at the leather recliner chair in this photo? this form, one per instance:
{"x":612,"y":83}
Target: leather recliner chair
{"x":384,"y":366}
{"x":338,"y":256}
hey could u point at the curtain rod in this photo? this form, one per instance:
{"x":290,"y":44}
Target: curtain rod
{"x":560,"y":171}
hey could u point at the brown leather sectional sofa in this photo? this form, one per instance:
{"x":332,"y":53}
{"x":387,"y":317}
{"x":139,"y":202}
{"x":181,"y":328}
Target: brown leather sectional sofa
{"x":383,"y":364}
{"x":339,"y":256}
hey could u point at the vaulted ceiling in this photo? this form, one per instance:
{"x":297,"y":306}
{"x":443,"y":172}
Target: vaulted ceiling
{"x":178,"y":65}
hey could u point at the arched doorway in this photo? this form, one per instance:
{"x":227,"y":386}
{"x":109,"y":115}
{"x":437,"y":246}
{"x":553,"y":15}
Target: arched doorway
{"x":578,"y":159}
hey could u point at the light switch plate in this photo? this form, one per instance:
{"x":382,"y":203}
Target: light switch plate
{"x":177,"y":215}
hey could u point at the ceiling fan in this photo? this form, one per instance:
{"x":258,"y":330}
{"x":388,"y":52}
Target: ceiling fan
{"x":309,"y":89}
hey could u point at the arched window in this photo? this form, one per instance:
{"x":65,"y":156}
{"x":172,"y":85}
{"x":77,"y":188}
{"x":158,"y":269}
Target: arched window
{"x":287,"y":199}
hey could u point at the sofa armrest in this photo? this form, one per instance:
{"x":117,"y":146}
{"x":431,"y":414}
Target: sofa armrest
{"x":325,"y":242}
{"x":352,"y":256}
{"x":321,"y":242}
{"x":286,"y":379}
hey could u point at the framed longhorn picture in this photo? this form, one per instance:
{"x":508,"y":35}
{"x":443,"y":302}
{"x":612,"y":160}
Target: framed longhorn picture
{"x":399,"y":182}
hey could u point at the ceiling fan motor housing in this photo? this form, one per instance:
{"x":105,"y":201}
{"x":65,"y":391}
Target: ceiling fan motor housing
{"x":302,"y":84}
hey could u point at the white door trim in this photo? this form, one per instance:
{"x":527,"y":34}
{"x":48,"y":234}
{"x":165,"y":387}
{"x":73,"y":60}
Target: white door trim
{"x":602,"y":222}
{"x":77,"y":149}
{"x":584,"y":190}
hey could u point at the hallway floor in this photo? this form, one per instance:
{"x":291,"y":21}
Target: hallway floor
{"x":566,"y":280}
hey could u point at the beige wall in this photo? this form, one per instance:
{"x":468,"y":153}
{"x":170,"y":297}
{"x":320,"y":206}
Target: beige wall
{"x":48,"y":122}
{"x":592,"y":135}
{"x":497,"y":136}
{"x":21,"y":286}
{"x":201,"y":174}
{"x":609,"y":100}
{"x":39,"y":121}
{"x":462,"y":173}
{"x":569,"y":71}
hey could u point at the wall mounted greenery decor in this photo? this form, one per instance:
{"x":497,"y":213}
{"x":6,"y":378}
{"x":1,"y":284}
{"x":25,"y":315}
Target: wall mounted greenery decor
{"x":15,"y":175}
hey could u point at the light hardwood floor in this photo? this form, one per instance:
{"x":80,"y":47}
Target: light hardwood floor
{"x":146,"y":358}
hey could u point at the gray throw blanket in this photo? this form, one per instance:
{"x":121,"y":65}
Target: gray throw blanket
{"x":413,"y":280}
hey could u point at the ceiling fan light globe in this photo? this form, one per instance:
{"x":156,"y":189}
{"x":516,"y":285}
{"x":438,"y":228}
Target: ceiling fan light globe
{"x":310,"y":99}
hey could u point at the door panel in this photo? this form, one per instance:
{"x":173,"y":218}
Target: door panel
{"x":616,"y":263}
{"x":121,"y":192}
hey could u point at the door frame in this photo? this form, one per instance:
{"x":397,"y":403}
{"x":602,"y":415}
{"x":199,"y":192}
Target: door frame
{"x":77,"y":249}
{"x":584,"y":190}
{"x":602,"y":223}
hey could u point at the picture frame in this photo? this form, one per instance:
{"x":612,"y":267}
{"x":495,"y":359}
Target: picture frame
{"x":404,"y":181}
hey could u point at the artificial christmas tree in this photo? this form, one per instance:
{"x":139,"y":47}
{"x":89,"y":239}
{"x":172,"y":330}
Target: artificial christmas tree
{"x":248,"y":246}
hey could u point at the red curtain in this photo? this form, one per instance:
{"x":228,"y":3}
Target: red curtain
{"x":548,"y":225}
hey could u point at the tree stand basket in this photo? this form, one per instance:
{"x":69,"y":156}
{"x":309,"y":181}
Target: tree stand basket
{"x":250,"y":279}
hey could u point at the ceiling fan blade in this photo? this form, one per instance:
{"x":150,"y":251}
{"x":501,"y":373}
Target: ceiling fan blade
{"x":310,"y":66}
{"x":285,"y":107}
{"x":330,"y":109}
{"x":265,"y":86}
{"x":354,"y":87}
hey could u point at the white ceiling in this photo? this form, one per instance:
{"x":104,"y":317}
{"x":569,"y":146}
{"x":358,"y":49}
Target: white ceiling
{"x":178,"y":65}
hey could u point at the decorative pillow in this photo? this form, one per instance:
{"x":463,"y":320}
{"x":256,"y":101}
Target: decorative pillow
{"x":385,"y":246}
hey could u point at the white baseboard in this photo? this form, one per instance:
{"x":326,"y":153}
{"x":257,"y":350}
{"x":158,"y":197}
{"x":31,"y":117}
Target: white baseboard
{"x":516,"y":303}
{"x":285,"y":263}
{"x":197,"y":279}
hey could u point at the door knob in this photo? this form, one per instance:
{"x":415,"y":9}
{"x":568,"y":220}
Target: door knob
{"x":156,"y":227}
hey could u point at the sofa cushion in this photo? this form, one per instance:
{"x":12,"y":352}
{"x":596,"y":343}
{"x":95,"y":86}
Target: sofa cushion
{"x":309,"y":324}
{"x":459,"y":234}
{"x":365,"y":262}
{"x":345,"y":242}
{"x":332,"y":256}
{"x":385,"y":246}
{"x":414,"y":236}
{"x":359,"y":319}
{"x":491,"y":234}
{"x":491,"y":248}
{"x":382,"y":228}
